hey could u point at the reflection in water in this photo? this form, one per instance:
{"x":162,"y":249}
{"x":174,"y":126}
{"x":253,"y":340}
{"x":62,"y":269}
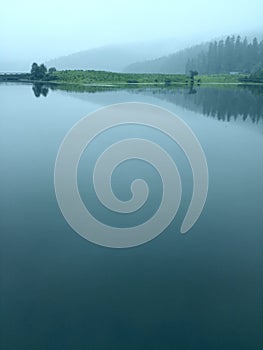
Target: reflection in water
{"x":196,"y":291}
{"x":221,"y":102}
{"x":192,"y":90}
{"x":40,"y":89}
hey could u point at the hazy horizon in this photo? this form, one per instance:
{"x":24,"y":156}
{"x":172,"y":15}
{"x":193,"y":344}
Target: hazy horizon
{"x":57,"y":28}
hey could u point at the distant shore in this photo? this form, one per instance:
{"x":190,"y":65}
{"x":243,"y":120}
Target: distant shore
{"x":111,"y":79}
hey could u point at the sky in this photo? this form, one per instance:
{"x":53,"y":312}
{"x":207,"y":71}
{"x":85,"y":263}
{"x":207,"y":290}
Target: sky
{"x":31,"y":29}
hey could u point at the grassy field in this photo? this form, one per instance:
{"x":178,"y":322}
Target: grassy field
{"x":91,"y":77}
{"x":102,"y":77}
{"x":221,"y":78}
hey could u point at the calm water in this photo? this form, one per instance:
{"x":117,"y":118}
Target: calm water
{"x":202,"y":290}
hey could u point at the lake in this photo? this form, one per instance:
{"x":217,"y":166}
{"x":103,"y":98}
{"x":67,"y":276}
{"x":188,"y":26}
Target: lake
{"x":201,"y":290}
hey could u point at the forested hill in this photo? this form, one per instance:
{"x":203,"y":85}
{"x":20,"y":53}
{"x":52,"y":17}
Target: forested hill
{"x":174,"y":63}
{"x":233,"y":54}
{"x":230,"y":55}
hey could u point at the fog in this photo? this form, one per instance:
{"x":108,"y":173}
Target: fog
{"x":31,"y":30}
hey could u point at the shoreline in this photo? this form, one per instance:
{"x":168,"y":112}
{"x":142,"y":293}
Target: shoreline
{"x":99,"y":79}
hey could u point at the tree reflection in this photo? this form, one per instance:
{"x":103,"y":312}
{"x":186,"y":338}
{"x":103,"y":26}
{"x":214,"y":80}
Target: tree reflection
{"x":221,"y":102}
{"x":40,"y":89}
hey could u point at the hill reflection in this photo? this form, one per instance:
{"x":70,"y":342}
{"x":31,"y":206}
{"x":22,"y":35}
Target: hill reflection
{"x":221,"y":102}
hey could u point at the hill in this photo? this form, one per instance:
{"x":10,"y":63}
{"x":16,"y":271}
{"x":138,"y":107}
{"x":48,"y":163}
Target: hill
{"x":231,"y":54}
{"x":173,"y":63}
{"x":113,"y":57}
{"x":116,"y":57}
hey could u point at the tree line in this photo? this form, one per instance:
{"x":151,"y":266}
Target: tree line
{"x":230,"y":55}
{"x":40,"y":72}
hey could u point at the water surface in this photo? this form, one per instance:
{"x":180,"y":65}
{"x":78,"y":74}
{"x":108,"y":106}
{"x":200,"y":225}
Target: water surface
{"x":202,"y":290}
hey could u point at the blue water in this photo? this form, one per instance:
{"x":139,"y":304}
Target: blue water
{"x":202,"y":290}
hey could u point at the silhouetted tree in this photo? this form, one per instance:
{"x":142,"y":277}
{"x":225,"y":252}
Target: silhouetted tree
{"x":193,"y":73}
{"x":34,"y":70}
{"x":52,"y":70}
{"x":38,"y":72}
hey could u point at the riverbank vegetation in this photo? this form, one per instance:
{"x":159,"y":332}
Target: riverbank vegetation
{"x":40,"y":73}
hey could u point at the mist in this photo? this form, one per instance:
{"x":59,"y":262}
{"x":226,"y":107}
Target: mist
{"x":33,"y":31}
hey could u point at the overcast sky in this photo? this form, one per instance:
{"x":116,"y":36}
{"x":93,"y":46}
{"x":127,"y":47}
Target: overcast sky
{"x":41,"y":30}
